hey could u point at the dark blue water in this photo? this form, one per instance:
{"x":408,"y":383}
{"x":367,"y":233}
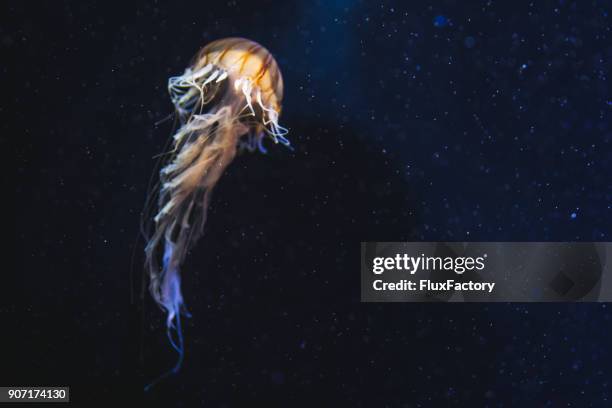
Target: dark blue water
{"x":487,"y":121}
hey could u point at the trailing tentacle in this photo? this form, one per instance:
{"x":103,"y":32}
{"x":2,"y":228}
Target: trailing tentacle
{"x":203,"y":148}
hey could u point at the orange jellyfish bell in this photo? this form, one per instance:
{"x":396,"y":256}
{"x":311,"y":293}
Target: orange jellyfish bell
{"x":229,"y":98}
{"x":249,"y":70}
{"x":249,"y":61}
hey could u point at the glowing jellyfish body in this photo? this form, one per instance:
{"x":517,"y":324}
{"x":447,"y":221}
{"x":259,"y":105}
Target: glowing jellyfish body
{"x":231,"y":95}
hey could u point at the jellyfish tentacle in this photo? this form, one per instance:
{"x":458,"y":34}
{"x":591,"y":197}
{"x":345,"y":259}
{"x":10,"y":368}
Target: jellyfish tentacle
{"x":186,"y":184}
{"x":276,"y":131}
{"x":247,"y":87}
{"x":211,"y":78}
{"x":192,"y":87}
{"x":222,"y":77}
{"x":260,"y":146}
{"x":203,"y":71}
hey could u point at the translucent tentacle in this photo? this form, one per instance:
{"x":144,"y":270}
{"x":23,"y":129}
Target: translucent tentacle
{"x":275,"y":130}
{"x":173,"y":303}
{"x":193,"y":89}
{"x":202,"y":153}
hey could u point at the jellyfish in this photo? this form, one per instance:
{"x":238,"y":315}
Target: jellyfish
{"x":227,"y":100}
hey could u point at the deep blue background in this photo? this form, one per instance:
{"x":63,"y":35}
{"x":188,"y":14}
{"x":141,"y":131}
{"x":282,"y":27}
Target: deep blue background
{"x":485,"y":121}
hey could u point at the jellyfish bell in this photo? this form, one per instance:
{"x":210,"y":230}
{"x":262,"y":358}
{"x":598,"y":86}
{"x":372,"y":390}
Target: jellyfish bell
{"x":249,"y":61}
{"x":242,"y":74}
{"x":228,"y":98}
